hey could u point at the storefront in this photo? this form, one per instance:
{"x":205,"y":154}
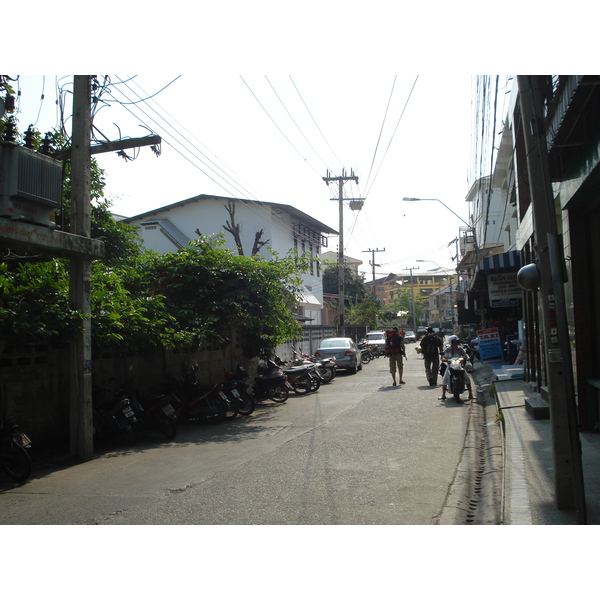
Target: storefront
{"x":495,"y":296}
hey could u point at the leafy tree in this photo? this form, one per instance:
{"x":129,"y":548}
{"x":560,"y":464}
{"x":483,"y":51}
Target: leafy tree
{"x":210,"y":291}
{"x":368,"y":312}
{"x":355,"y":289}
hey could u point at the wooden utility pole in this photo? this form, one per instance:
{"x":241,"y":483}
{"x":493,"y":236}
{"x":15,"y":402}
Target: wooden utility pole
{"x":372,"y":262}
{"x":566,"y":445}
{"x":412,"y":296}
{"x":81,"y":427}
{"x":341,"y":180}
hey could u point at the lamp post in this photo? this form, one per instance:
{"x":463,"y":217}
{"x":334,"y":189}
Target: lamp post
{"x":405,"y":199}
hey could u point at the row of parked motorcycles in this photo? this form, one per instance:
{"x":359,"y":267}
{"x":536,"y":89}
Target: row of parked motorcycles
{"x":124,"y":413}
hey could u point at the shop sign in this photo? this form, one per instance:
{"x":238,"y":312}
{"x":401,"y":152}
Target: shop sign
{"x":504,"y":290}
{"x":489,"y":343}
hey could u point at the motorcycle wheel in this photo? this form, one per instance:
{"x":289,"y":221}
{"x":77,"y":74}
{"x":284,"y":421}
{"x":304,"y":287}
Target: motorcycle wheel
{"x":327,"y":375}
{"x":366,"y":359}
{"x":231,"y":409}
{"x":246,"y":404}
{"x":278,"y":393}
{"x":168,"y":428}
{"x":19,"y":467}
{"x":302,"y":385}
{"x":216,"y":411}
{"x":130,"y":434}
{"x":315,"y":383}
{"x":456,"y":393}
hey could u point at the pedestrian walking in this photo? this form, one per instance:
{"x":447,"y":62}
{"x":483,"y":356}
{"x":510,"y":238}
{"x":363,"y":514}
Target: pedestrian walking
{"x":431,"y":347}
{"x":394,"y":350}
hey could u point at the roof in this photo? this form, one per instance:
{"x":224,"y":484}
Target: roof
{"x":294,"y":212}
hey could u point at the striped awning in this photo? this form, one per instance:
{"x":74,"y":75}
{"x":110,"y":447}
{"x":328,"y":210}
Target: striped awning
{"x":508,"y":260}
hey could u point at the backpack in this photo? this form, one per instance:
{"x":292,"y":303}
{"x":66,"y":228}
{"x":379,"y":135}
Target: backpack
{"x":392,"y":343}
{"x":431,"y":344}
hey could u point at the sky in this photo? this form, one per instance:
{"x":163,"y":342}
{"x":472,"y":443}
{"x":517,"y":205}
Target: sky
{"x":278,"y":97}
{"x":275,"y":137}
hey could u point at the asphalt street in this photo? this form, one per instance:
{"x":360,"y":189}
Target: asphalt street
{"x":358,"y":451}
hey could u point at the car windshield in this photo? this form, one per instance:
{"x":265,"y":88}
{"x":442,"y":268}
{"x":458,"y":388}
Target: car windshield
{"x":374,"y":336}
{"x":410,"y":333}
{"x":335,"y":343}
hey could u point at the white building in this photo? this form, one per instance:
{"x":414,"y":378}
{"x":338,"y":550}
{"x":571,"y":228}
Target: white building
{"x":250,"y":228}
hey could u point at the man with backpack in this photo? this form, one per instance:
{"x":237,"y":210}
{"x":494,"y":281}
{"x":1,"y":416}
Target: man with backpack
{"x":394,"y":349}
{"x":431,"y":347}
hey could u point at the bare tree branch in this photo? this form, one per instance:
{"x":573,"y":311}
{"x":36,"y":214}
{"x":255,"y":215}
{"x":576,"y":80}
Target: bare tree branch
{"x":233,"y":228}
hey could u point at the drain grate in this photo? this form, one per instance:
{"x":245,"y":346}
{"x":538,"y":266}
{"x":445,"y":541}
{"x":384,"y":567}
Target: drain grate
{"x":474,"y":497}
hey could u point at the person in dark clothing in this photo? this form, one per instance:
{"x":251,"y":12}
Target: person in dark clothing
{"x":394,"y":349}
{"x":431,"y":347}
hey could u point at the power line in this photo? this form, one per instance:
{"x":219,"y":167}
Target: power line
{"x":313,"y":119}
{"x":279,"y":128}
{"x":392,"y":138}
{"x":296,"y":124}
{"x":380,"y":132}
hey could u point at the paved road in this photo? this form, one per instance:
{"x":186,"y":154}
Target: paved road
{"x":357,"y":452}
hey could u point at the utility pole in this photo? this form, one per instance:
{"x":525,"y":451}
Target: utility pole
{"x":566,"y":445}
{"x":412,"y":295}
{"x":80,"y":356}
{"x":80,"y":350}
{"x":372,"y":261}
{"x":341,"y":180}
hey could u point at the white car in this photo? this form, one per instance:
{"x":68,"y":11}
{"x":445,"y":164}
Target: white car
{"x":410,"y":337}
{"x":376,"y":341}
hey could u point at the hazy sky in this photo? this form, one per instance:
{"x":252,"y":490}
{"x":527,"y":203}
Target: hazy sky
{"x":326,"y":102}
{"x":275,"y":137}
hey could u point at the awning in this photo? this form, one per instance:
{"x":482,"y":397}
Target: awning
{"x":510,"y":261}
{"x":309,"y":302}
{"x":494,"y":287}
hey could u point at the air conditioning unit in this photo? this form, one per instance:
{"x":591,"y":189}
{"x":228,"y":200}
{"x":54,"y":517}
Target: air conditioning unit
{"x":30,"y":185}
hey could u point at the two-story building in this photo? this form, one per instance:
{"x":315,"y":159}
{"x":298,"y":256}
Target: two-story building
{"x":250,"y":227}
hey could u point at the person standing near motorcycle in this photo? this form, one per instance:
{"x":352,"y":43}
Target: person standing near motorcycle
{"x":455,"y":350}
{"x":394,"y":349}
{"x":431,"y":347}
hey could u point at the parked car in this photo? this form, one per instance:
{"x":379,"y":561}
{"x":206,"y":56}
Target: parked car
{"x":376,"y":341}
{"x":346,"y":352}
{"x":410,"y":337}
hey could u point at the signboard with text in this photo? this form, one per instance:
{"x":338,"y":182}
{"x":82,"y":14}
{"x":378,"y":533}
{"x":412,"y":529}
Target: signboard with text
{"x":489,"y":343}
{"x":504,"y":290}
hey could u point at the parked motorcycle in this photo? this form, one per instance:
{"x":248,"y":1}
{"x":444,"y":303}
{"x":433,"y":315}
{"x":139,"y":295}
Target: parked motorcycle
{"x":158,"y":414}
{"x":366,"y":353}
{"x":14,"y":458}
{"x":199,"y":403}
{"x":241,"y":391}
{"x":326,"y":367}
{"x":270,"y":384}
{"x":113,"y":413}
{"x":303,"y":378}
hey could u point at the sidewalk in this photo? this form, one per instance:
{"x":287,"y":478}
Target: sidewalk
{"x":528,"y":494}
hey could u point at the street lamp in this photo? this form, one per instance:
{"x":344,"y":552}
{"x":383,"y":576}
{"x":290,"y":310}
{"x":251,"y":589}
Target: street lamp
{"x":405,"y":199}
